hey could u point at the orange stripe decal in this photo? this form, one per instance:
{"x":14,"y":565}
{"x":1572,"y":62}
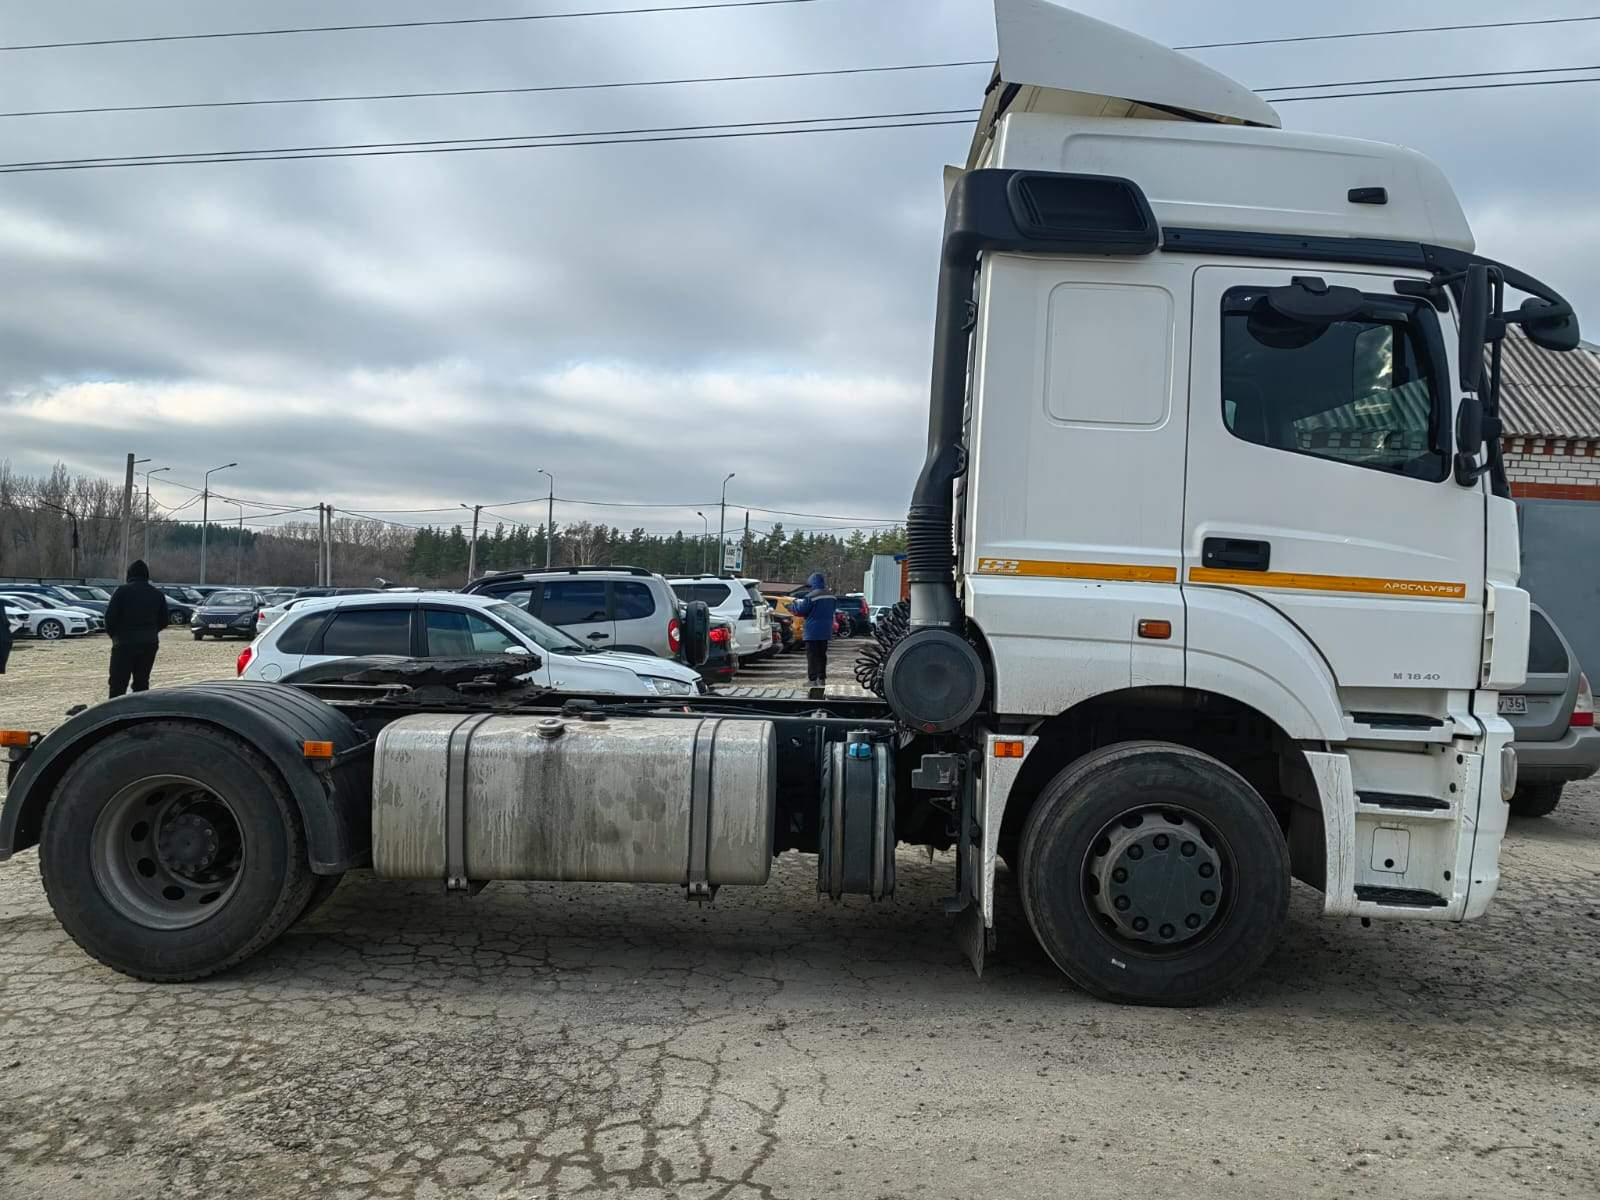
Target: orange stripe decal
{"x":1419,"y":588}
{"x":1105,"y":572}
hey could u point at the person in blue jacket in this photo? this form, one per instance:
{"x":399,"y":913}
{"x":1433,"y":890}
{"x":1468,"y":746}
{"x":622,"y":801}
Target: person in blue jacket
{"x":817,"y":606}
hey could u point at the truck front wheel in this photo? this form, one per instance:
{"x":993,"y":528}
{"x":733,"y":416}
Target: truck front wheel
{"x":172,"y":851}
{"x":1154,"y":874}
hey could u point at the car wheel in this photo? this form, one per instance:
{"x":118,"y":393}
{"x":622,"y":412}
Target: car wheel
{"x":52,"y":630}
{"x":199,"y":636}
{"x":1154,"y":874}
{"x":1536,"y":799}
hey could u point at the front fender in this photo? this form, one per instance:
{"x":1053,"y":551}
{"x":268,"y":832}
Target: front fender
{"x":276,"y":720}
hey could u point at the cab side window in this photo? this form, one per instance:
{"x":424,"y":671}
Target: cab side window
{"x":574,"y":602}
{"x":1368,"y":391}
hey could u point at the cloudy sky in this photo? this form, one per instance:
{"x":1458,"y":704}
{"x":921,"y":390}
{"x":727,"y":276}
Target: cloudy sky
{"x":399,"y":333}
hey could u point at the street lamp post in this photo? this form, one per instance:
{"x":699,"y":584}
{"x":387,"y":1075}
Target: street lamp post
{"x":147,"y":475}
{"x":74,"y":518}
{"x":705,"y":536}
{"x":205,"y":513}
{"x":722,"y":523}
{"x":550,"y":522}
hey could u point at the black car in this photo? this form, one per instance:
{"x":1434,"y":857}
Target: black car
{"x":229,"y":612}
{"x":181,"y":601}
{"x":721,"y":664}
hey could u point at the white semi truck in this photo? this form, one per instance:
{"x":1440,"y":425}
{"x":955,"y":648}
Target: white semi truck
{"x":1213,"y":580}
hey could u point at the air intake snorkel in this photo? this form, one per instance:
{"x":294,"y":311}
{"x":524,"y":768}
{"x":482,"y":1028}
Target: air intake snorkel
{"x":1038,"y":212}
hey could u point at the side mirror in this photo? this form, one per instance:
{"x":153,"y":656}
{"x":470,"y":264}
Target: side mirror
{"x":1474,"y":329}
{"x":1469,"y":440}
{"x":519,"y":652}
{"x":1559,"y":334}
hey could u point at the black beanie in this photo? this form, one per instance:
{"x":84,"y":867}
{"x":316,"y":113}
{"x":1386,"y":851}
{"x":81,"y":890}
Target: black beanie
{"x":137,"y":570}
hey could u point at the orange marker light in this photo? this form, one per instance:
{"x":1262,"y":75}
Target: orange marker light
{"x":1156,"y":630}
{"x":318,"y":750}
{"x":1008,"y":749}
{"x":14,"y":737}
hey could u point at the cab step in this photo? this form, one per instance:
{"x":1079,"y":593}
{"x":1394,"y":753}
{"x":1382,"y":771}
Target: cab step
{"x":1399,"y":897}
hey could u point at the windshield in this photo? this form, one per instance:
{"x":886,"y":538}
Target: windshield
{"x":546,"y":637}
{"x":231,"y":600}
{"x":23,"y":602}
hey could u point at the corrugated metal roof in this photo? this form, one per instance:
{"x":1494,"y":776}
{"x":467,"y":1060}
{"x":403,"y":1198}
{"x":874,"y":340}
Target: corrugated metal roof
{"x":1543,"y":394}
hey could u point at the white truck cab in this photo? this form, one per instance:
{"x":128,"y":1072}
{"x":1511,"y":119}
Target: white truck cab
{"x":1219,"y":467}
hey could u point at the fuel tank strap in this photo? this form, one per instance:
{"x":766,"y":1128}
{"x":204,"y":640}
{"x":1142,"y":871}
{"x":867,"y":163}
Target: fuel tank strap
{"x":705,"y":745}
{"x":455,"y":804}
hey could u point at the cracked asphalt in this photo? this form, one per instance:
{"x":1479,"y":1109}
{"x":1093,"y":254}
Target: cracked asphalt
{"x":553,"y":1040}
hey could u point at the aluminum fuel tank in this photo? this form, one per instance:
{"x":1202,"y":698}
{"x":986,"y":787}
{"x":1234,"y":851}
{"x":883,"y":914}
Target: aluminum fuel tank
{"x":631,"y":800}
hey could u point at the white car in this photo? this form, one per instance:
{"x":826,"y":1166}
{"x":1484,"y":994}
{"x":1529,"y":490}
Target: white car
{"x":48,"y":624}
{"x":97,"y":623}
{"x":738,"y":601}
{"x":272,"y":613}
{"x":450,"y":625}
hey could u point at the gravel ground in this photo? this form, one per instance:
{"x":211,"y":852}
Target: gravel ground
{"x":544,"y":1040}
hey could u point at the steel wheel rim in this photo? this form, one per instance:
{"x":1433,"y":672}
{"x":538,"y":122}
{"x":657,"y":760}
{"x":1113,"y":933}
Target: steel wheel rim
{"x":1158,"y":880}
{"x":167,"y":852}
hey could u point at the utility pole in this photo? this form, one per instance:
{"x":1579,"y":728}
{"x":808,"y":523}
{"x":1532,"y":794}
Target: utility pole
{"x":472,"y":546}
{"x":147,"y":475}
{"x":722,"y":522}
{"x":205,"y":513}
{"x":327,"y":546}
{"x":73,"y":517}
{"x":127,"y":508}
{"x":744,"y":546}
{"x":550,"y":522}
{"x":322,"y":544}
{"x":705,"y":536}
{"x":238,"y":550}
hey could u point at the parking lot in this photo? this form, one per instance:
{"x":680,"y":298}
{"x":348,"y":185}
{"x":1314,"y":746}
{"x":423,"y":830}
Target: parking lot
{"x":557,"y":1040}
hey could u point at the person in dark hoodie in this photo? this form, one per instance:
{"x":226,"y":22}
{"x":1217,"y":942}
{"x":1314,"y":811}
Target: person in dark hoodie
{"x":5,"y":634}
{"x":818,"y":607}
{"x":135,"y":618}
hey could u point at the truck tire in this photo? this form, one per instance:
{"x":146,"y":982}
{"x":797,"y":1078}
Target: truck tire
{"x":1535,"y":799}
{"x":172,"y":851}
{"x":1154,"y":874}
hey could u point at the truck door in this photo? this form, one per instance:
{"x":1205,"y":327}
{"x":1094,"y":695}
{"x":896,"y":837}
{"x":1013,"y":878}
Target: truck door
{"x":1319,"y":481}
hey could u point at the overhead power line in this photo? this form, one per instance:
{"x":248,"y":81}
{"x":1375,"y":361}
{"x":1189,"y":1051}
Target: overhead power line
{"x":1334,"y":37}
{"x":1302,"y":87}
{"x":180,"y":155}
{"x":501,"y":91}
{"x":506,"y":20}
{"x":1461,"y":87}
{"x":459,"y":149}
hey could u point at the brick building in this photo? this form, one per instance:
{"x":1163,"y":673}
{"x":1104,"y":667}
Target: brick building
{"x":1550,"y":404}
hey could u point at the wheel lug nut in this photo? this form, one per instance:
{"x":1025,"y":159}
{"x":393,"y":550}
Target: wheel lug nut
{"x":1207,"y":870}
{"x":1120,"y":875}
{"x":1192,"y":920}
{"x":1161,"y":842}
{"x":1121,"y":903}
{"x":1187,"y":850}
{"x":1136,"y":852}
{"x":1140,"y":924}
{"x":1208,"y":897}
{"x":1167,"y":931}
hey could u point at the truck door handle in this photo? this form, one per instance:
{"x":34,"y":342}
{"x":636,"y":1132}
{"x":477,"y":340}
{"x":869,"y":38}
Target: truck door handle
{"x":1236,"y":554}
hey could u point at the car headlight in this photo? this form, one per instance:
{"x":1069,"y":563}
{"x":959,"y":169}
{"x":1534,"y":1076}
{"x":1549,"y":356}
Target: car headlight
{"x":663,"y":686}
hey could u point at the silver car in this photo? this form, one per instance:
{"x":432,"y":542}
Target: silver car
{"x":1553,"y":715}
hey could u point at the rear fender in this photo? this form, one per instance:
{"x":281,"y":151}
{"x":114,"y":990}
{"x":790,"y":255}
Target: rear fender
{"x":335,"y":804}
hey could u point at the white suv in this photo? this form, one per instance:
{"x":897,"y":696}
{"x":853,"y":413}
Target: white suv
{"x":609,"y":608}
{"x":451,"y":625}
{"x":736,"y":600}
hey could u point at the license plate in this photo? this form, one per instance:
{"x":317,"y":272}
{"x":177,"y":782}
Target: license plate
{"x":1514,"y":704}
{"x":217,"y":625}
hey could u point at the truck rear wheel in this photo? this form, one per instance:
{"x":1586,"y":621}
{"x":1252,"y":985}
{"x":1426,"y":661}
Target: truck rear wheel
{"x":172,"y":851}
{"x":1154,"y":874}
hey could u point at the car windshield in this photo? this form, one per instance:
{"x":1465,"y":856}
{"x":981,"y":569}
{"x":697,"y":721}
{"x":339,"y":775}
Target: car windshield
{"x":23,"y":602}
{"x":231,"y":599}
{"x":546,"y":637}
